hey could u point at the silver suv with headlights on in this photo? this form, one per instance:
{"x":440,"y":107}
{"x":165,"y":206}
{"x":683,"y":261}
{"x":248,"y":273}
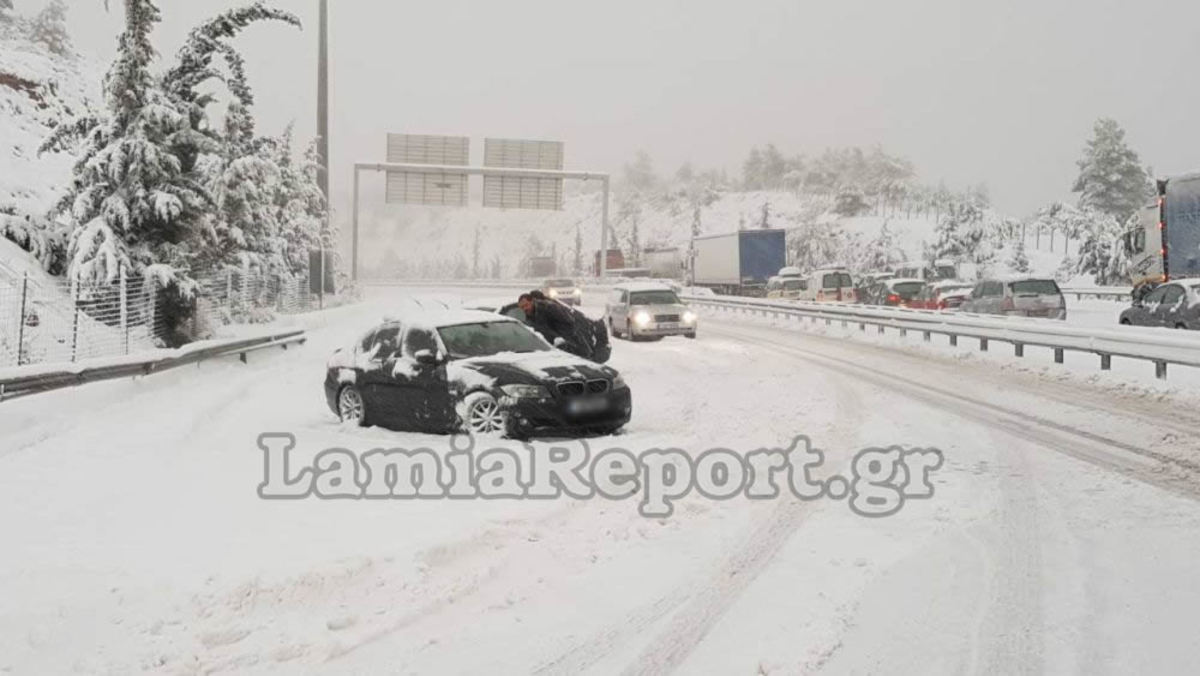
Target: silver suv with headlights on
{"x":648,"y":311}
{"x":563,"y":291}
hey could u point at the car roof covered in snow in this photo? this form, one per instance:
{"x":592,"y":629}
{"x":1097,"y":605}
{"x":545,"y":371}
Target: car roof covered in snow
{"x":951,"y":282}
{"x":643,"y":286}
{"x":441,"y":318}
{"x":1008,"y":279}
{"x":903,"y":280}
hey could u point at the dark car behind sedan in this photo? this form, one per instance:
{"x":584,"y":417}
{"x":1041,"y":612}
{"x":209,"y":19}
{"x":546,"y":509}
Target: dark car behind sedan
{"x":1175,"y":305}
{"x":471,"y":371}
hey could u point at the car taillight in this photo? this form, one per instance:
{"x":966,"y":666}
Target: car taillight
{"x":893,"y":298}
{"x":941,"y":305}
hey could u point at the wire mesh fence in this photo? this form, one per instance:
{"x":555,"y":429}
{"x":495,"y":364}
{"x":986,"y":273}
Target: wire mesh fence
{"x":51,"y":320}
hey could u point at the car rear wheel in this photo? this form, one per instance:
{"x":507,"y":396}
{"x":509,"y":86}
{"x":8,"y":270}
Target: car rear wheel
{"x":1181,"y":325}
{"x":351,"y":407}
{"x":482,"y":414}
{"x":1126,"y":322}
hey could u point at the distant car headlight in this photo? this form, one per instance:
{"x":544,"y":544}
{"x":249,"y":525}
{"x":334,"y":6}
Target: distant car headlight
{"x":619,"y":383}
{"x":577,"y":292}
{"x":642,"y":318}
{"x":553,"y":293}
{"x":525,"y":391}
{"x":689,"y":317}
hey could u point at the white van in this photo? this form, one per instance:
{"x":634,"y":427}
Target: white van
{"x":830,"y":284}
{"x":786,"y":288}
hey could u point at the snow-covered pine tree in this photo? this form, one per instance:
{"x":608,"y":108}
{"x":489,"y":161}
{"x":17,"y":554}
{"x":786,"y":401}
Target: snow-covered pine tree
{"x":301,"y":210}
{"x":1099,"y":245}
{"x":194,"y":67}
{"x":1018,"y":261}
{"x":753,"y":170}
{"x":1111,"y":178}
{"x":882,"y":253}
{"x":138,"y":215}
{"x":245,"y":231}
{"x":960,"y":230}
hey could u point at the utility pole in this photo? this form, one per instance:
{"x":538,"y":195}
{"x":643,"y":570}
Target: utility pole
{"x":323,"y":98}
{"x":323,"y":129}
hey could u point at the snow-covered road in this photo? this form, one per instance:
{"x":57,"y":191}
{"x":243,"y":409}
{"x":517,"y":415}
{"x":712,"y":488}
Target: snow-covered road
{"x":1062,"y":536}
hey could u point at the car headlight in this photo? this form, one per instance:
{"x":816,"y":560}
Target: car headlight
{"x":642,"y":318}
{"x":553,"y":293}
{"x":525,"y":391}
{"x":689,"y":317}
{"x":619,"y":383}
{"x":578,"y":292}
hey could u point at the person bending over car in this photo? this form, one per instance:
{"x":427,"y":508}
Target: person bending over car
{"x":555,"y":323}
{"x":592,"y":333}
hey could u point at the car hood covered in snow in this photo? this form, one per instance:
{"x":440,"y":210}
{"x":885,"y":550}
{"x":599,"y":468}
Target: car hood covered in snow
{"x":529,"y":368}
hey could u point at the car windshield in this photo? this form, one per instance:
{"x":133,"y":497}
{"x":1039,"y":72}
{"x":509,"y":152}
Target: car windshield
{"x":1035,"y":287}
{"x":559,"y":283}
{"x":489,"y":338}
{"x":664,"y":297}
{"x":907,"y":290}
{"x":792,"y":285}
{"x":946,"y":272}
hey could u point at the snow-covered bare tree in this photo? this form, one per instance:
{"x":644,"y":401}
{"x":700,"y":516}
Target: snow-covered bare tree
{"x":49,"y":27}
{"x":1111,"y":178}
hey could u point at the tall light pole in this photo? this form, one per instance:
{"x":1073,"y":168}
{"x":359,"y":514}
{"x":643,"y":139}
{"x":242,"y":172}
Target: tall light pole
{"x":323,"y":98}
{"x":323,"y":129}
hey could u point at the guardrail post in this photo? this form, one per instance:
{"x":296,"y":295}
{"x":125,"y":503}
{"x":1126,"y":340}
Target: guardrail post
{"x":1160,"y":370}
{"x":953,"y":340}
{"x":880,"y":329}
{"x":828,"y":321}
{"x":862,"y":327}
{"x":1019,"y":349}
{"x":903,"y":333}
{"x":927,"y":336}
{"x":1058,"y":355}
{"x":1106,"y":362}
{"x":983,"y":344}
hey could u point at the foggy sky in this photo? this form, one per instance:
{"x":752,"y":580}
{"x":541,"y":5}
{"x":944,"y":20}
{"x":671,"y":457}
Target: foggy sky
{"x":1002,"y":93}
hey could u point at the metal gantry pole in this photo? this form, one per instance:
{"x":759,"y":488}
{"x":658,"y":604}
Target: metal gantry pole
{"x":354,"y":230}
{"x":604,"y":232}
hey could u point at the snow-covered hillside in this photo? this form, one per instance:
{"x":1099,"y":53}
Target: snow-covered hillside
{"x":433,"y":242}
{"x":38,"y":88}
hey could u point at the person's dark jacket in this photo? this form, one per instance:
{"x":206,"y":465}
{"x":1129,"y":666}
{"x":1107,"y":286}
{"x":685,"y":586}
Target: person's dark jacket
{"x":581,"y":335}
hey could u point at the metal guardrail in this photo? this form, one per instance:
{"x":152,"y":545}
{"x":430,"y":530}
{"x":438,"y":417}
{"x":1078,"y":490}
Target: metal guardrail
{"x":1159,"y":346}
{"x":47,"y":379}
{"x":1114,"y":292}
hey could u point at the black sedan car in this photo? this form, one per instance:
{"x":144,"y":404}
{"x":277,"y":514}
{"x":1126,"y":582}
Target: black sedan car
{"x":1175,"y":305}
{"x":471,"y":371}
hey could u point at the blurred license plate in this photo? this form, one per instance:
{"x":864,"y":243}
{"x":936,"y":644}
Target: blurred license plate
{"x":581,"y":406}
{"x":668,"y":326}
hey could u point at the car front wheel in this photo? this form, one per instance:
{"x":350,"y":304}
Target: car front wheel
{"x":481,"y":414}
{"x":351,"y":407}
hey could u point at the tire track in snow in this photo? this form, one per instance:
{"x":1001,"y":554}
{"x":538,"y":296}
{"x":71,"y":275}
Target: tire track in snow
{"x":692,"y":610}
